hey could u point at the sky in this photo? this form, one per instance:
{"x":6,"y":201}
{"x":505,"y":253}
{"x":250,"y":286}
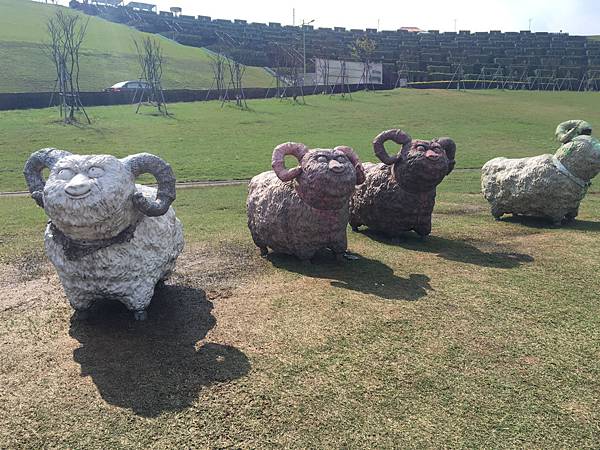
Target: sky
{"x":579,"y":17}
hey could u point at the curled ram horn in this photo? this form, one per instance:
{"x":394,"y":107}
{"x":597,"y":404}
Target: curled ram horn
{"x":397,"y":136}
{"x":278,"y":160}
{"x":45,"y":158}
{"x":566,"y":131}
{"x":449,"y":147}
{"x":147,"y":163}
{"x":353,"y":157}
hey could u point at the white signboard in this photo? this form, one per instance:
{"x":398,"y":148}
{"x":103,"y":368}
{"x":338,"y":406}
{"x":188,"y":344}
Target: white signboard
{"x":331,"y":71}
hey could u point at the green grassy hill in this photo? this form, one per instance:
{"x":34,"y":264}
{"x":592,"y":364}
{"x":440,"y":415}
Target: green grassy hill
{"x":204,"y":141}
{"x":108,"y":54}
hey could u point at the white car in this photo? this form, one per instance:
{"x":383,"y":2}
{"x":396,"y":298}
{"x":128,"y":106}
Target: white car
{"x":125,"y":86}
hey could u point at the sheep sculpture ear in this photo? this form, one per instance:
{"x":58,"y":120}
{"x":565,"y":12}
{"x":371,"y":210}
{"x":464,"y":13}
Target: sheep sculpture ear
{"x":449,"y":147}
{"x":165,"y":195}
{"x":45,"y":158}
{"x":278,"y":160}
{"x":353,"y":157}
{"x":397,"y":136}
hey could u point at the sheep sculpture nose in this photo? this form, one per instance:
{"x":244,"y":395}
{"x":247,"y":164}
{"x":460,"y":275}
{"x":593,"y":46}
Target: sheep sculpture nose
{"x":335,"y":166}
{"x":78,"y":186}
{"x":430,"y":154}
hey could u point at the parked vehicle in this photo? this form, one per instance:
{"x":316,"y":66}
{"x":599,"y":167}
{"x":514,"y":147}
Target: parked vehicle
{"x":128,"y":86}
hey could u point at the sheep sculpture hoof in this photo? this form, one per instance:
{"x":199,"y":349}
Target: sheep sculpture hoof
{"x":305,"y":209}
{"x":107,"y":237}
{"x":140,"y":316}
{"x":399,"y":194}
{"x":546,"y":186}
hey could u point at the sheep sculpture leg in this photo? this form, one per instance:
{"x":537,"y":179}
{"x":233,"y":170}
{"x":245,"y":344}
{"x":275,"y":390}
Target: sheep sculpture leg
{"x":80,"y":303}
{"x":571,"y":215}
{"x":139,"y":301}
{"x":423,"y":229}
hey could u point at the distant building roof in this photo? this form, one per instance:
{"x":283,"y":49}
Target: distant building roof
{"x":108,"y":2}
{"x":412,"y":29}
{"x":142,"y":6}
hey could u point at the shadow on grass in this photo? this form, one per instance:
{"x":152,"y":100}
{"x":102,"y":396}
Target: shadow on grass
{"x":154,"y":366}
{"x":539,"y":222}
{"x":362,"y":275}
{"x":459,"y":251}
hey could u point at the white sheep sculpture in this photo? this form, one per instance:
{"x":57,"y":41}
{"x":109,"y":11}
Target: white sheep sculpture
{"x":107,"y":236}
{"x":302,"y":210}
{"x":546,"y":186}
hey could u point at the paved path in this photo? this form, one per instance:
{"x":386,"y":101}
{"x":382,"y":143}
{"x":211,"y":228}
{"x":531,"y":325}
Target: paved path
{"x":194,"y":184}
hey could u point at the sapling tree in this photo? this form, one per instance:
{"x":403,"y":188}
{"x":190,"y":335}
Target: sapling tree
{"x":151,"y":61}
{"x":65,"y":34}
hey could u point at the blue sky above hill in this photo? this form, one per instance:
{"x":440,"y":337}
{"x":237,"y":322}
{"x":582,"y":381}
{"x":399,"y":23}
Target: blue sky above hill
{"x":571,"y":16}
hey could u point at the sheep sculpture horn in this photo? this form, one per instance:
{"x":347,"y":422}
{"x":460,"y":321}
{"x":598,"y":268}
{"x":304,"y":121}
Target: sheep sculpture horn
{"x":570,"y":129}
{"x":399,"y":137}
{"x":353,"y":157}
{"x":45,"y":158}
{"x":449,"y":147}
{"x":278,"y":160}
{"x":165,"y":195}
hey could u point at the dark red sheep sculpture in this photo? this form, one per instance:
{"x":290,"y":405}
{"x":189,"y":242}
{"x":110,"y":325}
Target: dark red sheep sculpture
{"x":399,"y":194}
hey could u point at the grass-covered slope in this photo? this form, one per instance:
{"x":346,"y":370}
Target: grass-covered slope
{"x":204,"y":141}
{"x":108,"y":54}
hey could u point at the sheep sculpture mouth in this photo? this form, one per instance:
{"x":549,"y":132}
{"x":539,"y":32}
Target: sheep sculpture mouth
{"x":430,"y":166}
{"x":79,"y":196}
{"x":337,"y":170}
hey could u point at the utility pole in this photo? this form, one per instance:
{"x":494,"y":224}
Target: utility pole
{"x":530,"y":19}
{"x":293,"y":17}
{"x":304,"y":46}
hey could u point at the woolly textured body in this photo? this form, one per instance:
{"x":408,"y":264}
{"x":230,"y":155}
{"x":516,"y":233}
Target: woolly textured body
{"x":384,"y":206}
{"x":280,"y":219}
{"x":530,"y":186}
{"x":126,"y":271}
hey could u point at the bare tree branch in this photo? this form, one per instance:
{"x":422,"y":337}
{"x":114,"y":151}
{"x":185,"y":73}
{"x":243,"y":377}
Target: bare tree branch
{"x":151,"y":59}
{"x":65,"y":35}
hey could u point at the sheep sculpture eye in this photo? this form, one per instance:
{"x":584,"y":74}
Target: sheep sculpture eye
{"x":95,"y":172}
{"x":322,"y":159}
{"x":65,"y":174}
{"x":341,"y":159}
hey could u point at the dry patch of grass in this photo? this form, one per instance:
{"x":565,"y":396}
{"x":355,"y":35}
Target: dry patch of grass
{"x":483,"y":335}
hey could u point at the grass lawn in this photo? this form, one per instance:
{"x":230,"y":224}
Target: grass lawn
{"x":204,"y":141}
{"x":485,"y":335}
{"x":108,"y":54}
